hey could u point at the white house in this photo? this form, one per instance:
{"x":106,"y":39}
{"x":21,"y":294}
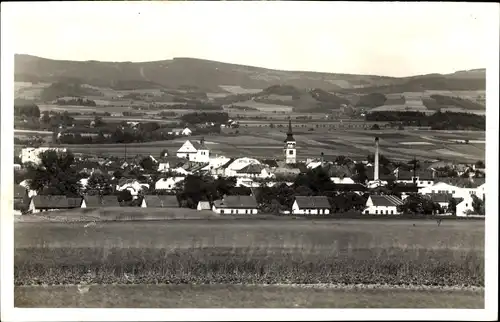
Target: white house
{"x":237,"y":205}
{"x":167,"y":183}
{"x":238,"y":164}
{"x":382,"y":205}
{"x":194,"y":151}
{"x":311,"y":205}
{"x":132,"y":185}
{"x":460,"y":188}
{"x":186,"y":131}
{"x":203,"y":205}
{"x":464,"y":206}
{"x":33,"y":154}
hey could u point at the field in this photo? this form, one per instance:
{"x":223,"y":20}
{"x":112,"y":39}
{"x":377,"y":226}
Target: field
{"x":265,"y":142}
{"x":338,"y":252}
{"x":242,"y":296}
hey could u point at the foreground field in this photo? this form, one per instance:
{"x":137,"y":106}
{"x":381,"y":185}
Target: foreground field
{"x":216,"y":296}
{"x":395,"y":252}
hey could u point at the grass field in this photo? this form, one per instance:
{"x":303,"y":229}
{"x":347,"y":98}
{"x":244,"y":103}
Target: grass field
{"x":268,"y":143}
{"x":342,"y":251}
{"x":217,"y":296}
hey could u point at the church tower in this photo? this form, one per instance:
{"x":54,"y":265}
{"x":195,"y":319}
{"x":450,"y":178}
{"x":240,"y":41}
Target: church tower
{"x":290,"y":149}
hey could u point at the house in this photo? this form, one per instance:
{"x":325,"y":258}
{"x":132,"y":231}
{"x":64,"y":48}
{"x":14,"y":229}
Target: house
{"x":457,"y":187}
{"x":442,"y":199}
{"x":168,"y":183}
{"x":131,"y":185}
{"x":194,"y":151}
{"x":53,"y":202}
{"x":20,"y":196}
{"x":382,"y":205}
{"x":253,"y":171}
{"x":232,"y":169}
{"x":164,"y":201}
{"x":420,"y":178}
{"x":178,"y":131}
{"x":99,"y":201}
{"x":311,"y":205}
{"x":350,"y":187}
{"x":235,"y":205}
{"x":166,"y":163}
{"x":203,"y":205}
{"x":464,"y":205}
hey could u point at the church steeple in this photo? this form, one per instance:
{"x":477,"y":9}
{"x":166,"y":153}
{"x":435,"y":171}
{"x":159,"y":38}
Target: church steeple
{"x":289,"y":134}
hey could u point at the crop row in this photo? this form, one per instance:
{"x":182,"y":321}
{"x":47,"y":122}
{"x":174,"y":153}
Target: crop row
{"x":219,"y":265}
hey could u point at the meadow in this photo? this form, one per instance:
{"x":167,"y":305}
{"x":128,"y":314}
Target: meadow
{"x":332,"y":251}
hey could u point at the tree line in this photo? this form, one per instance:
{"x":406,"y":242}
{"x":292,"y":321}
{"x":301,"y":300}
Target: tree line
{"x":437,"y":121}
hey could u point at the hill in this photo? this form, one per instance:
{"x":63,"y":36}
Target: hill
{"x":209,"y":76}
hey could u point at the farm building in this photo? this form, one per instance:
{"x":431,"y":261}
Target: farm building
{"x":232,"y":169}
{"x":165,"y":201}
{"x":382,"y":205}
{"x":54,"y":202}
{"x":236,"y":205}
{"x":194,"y":151}
{"x":311,"y":205}
{"x":203,"y":205}
{"x":421,"y":178}
{"x":457,"y":187}
{"x":168,"y":183}
{"x":464,"y":205}
{"x":99,"y":201}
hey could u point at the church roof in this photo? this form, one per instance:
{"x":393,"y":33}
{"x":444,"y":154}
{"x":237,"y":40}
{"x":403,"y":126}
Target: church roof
{"x":289,"y":134}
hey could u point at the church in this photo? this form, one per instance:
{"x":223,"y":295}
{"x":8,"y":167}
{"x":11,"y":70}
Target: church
{"x":290,"y":149}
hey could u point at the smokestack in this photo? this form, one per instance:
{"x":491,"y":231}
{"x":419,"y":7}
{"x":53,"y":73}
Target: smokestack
{"x":322,"y":158}
{"x":375,"y":169}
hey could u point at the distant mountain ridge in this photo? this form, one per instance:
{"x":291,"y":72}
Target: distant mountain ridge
{"x":209,"y":75}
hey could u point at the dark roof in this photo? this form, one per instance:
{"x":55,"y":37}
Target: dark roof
{"x":270,"y":162}
{"x":173,"y":160}
{"x":312,"y":202}
{"x":402,"y":187}
{"x":337,"y":170}
{"x":463,"y":182}
{"x":441,"y":197}
{"x":301,"y":166}
{"x":56,"y":202}
{"x":289,"y":133}
{"x":98,"y":201}
{"x":199,"y":145}
{"x":371,"y":175}
{"x":225,"y":165}
{"x":408,"y":175}
{"x":252,"y":169}
{"x":349,"y":187}
{"x":384,"y":200}
{"x":162,"y":201}
{"x":19,"y":191}
{"x":236,"y":202}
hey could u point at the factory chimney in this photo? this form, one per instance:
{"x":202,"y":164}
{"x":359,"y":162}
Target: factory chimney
{"x":375,"y":168}
{"x":322,"y":159}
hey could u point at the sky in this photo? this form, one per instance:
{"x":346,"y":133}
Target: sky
{"x":390,"y":39}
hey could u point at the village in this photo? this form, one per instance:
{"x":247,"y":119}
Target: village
{"x":454,"y":189}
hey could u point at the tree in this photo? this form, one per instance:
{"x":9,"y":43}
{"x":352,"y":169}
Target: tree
{"x":98,"y":121}
{"x":147,"y":164}
{"x":118,"y":174}
{"x":55,"y":175}
{"x":45,"y":117}
{"x":360,"y":173}
{"x":375,"y":127}
{"x":124,"y":196}
{"x":419,"y":204}
{"x":452,"y":206}
{"x":26,"y":108}
{"x":17,"y":159}
{"x":480,"y":164}
{"x":478,"y":205}
{"x":99,"y":185}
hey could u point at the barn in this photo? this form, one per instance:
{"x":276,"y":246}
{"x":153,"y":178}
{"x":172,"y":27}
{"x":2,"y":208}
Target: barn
{"x":311,"y":205}
{"x":162,"y":201}
{"x":236,"y":205}
{"x":382,"y":205}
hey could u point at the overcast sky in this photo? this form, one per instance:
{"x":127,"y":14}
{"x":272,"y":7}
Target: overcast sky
{"x":393,"y":39}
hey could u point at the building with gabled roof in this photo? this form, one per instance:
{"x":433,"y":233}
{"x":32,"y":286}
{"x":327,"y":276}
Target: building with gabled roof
{"x":254,"y":171}
{"x":236,"y":205}
{"x":160,"y":201}
{"x":99,"y":201}
{"x":382,"y":205}
{"x":41,"y":203}
{"x":311,"y":205}
{"x":203,"y":205}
